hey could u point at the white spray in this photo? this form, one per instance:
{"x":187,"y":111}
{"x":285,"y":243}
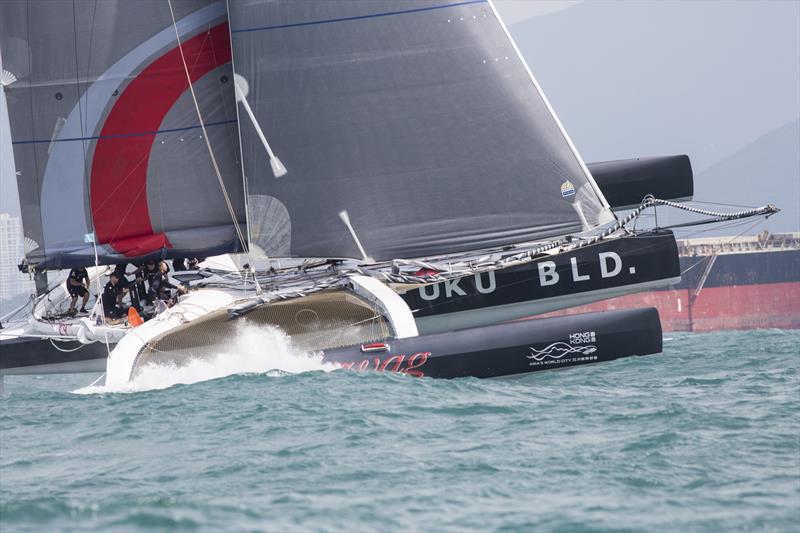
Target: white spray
{"x":254,"y":350}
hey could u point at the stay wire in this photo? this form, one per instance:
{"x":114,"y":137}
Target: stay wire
{"x":232,"y":212}
{"x":444,"y":272}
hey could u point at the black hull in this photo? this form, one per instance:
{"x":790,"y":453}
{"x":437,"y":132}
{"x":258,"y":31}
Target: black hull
{"x":38,"y":356}
{"x":609,"y":268}
{"x":646,"y":262}
{"x":515,"y":348}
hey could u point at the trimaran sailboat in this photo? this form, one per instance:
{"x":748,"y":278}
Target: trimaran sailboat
{"x":425,"y":198}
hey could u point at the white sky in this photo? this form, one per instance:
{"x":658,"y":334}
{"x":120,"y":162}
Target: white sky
{"x":516,"y":10}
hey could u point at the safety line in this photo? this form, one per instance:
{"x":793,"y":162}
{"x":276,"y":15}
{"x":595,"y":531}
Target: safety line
{"x":239,"y":234}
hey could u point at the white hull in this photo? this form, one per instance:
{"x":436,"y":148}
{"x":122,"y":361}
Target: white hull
{"x":196,"y":305}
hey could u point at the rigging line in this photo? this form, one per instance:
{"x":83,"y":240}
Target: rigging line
{"x":245,"y":187}
{"x":701,"y":261}
{"x":233,"y":139}
{"x":31,"y":99}
{"x":89,"y":58}
{"x":120,"y":184}
{"x":748,"y":228}
{"x":203,"y":128}
{"x":98,"y":379}
{"x":722,"y":204}
{"x":565,"y":136}
{"x":78,"y":87}
{"x":703,"y":222}
{"x":732,"y":224}
{"x":122,"y":219}
{"x":529,"y":255}
{"x":86,"y":82}
{"x":15,"y":311}
{"x":723,"y":224}
{"x":98,"y":301}
{"x":208,"y":142}
{"x":65,"y":350}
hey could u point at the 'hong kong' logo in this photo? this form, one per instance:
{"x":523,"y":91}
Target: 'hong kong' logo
{"x":557,"y":350}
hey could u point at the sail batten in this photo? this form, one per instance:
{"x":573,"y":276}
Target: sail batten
{"x":416,"y":117}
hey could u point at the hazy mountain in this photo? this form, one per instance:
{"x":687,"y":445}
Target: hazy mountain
{"x":650,"y":78}
{"x":765,"y":171}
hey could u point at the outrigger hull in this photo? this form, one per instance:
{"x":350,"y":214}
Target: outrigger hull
{"x":510,"y":349}
{"x":27,"y":355}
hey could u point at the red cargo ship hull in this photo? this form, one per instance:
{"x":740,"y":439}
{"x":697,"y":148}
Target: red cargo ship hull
{"x":730,"y":289}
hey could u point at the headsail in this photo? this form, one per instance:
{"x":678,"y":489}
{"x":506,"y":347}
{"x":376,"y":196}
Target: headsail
{"x":416,"y":117}
{"x":106,"y":138}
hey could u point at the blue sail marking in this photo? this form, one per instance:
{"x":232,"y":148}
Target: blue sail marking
{"x":358,"y":17}
{"x":123,"y":135}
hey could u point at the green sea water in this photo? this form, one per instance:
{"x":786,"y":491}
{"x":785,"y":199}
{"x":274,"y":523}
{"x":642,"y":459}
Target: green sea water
{"x":705,"y":437}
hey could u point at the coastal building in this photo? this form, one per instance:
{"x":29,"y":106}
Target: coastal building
{"x":12,"y":281}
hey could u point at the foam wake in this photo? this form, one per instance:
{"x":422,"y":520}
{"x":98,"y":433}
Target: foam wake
{"x":253,"y":350}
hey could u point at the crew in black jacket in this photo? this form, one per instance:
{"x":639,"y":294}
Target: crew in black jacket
{"x":159,"y":285}
{"x":78,"y":285}
{"x":135,"y":289}
{"x":112,"y":295}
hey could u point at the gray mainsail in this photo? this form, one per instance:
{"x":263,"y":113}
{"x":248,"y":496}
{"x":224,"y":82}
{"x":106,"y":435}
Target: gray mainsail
{"x":106,"y":137}
{"x":417,"y":117}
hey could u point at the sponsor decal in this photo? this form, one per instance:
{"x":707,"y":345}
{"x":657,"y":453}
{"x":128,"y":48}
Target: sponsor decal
{"x":567,"y":189}
{"x":585,"y":337}
{"x":608,"y":265}
{"x":398,"y":364}
{"x":557,"y":352}
{"x":559,"y":349}
{"x":485,"y":283}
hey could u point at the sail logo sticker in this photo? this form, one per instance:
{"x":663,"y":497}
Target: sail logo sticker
{"x":555,"y":353}
{"x":567,"y":189}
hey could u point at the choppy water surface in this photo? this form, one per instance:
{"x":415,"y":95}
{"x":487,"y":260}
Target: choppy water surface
{"x":705,"y":437}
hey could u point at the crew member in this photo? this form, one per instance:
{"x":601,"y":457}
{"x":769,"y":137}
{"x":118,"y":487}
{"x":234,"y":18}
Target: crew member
{"x":112,"y":297}
{"x":159,"y":285}
{"x":120,"y":270}
{"x":179,"y":264}
{"x":148,"y":273}
{"x":138,"y":290}
{"x":78,"y":286}
{"x":129,"y":287}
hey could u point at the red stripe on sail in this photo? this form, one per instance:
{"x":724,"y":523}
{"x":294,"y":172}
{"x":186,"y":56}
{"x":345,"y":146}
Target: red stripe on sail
{"x":119,"y":169}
